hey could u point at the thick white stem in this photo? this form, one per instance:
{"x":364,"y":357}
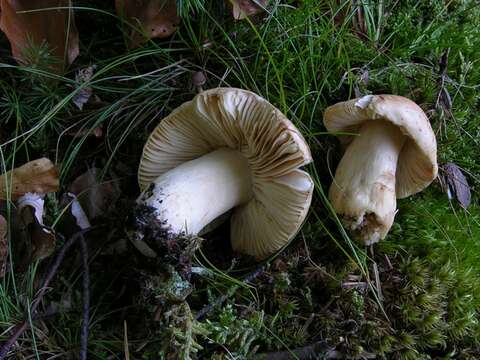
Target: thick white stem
{"x":190,"y":196}
{"x":363,"y":191}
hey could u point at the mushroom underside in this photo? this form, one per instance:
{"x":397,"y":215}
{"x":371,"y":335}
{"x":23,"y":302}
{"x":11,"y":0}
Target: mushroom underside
{"x":190,"y":199}
{"x":257,"y":180}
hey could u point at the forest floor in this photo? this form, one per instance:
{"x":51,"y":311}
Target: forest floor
{"x":415,"y":295}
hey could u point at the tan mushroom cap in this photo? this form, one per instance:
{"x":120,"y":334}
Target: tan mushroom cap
{"x":240,"y":120}
{"x":417,"y":161}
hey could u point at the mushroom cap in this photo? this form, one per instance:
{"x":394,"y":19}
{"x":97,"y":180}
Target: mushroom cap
{"x":275,"y":149}
{"x":417,"y":162}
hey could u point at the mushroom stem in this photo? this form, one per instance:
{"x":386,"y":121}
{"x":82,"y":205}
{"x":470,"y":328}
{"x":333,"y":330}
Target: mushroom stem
{"x":363,"y":191}
{"x":192,"y":195}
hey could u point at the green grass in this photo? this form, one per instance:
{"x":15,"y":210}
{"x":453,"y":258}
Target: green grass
{"x":302,"y":58}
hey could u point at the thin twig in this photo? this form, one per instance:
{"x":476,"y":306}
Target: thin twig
{"x":207,"y":309}
{"x":317,"y":350}
{"x":19,"y":329}
{"x":86,"y":299}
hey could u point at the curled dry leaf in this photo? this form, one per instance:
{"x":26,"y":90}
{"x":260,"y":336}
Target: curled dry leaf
{"x":242,"y":9}
{"x":73,"y":217}
{"x":84,"y":94}
{"x":96,"y":198}
{"x":96,"y":132}
{"x":81,"y":219}
{"x":40,"y":242}
{"x":149,"y":18}
{"x":29,"y":28}
{"x":455,"y":184}
{"x":37,"y":176}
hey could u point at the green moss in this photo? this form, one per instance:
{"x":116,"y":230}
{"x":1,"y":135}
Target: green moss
{"x":431,"y":226}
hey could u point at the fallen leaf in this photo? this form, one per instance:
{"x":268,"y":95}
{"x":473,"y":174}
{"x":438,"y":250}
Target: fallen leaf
{"x":30,"y":31}
{"x":81,"y":219}
{"x":73,"y":217}
{"x":96,"y":198}
{"x":455,"y":184}
{"x":3,"y":246}
{"x":37,"y":176}
{"x":148,"y":18}
{"x":96,"y":132}
{"x":84,"y":94}
{"x":40,"y":241}
{"x":242,"y":9}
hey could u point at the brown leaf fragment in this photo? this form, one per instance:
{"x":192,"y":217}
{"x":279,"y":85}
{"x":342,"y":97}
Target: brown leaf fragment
{"x":3,"y":246}
{"x":242,"y":9}
{"x":96,"y":132}
{"x":73,"y":217}
{"x":81,"y":219}
{"x":149,"y":18}
{"x":83,"y":95}
{"x":37,"y":176}
{"x":40,"y":241}
{"x":95,"y":197}
{"x":455,"y":184}
{"x":28,"y":31}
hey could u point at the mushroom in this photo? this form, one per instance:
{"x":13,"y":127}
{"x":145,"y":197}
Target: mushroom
{"x":393,"y":156}
{"x":227,"y":149}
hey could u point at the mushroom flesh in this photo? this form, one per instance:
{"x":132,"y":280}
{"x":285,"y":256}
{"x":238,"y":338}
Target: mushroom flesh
{"x":393,"y":156}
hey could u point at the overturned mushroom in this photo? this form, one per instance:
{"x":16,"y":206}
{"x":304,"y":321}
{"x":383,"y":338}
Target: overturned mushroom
{"x":227,"y":149}
{"x":393,"y":156}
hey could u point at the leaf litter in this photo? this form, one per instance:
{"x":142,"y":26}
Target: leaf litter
{"x":455,"y":184}
{"x":96,"y":197}
{"x":83,"y":96}
{"x":148,"y":19}
{"x":39,"y":241}
{"x":38,"y":176}
{"x":241,"y":9}
{"x":29,"y":29}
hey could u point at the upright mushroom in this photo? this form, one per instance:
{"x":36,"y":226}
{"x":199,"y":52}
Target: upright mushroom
{"x":227,"y":149}
{"x":393,"y":156}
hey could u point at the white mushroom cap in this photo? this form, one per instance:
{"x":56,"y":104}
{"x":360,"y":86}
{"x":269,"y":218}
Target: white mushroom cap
{"x":275,"y":150}
{"x":417,"y":161}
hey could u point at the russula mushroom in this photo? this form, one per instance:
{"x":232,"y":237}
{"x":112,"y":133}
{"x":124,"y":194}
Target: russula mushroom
{"x":227,"y":149}
{"x":393,"y":156}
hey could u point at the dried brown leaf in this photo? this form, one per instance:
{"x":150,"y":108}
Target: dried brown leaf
{"x":83,"y":95}
{"x":81,"y":219}
{"x":40,"y":242}
{"x":29,"y":30}
{"x":96,"y":132}
{"x":149,"y":18}
{"x":242,"y":9}
{"x":37,"y":176}
{"x":96,"y":198}
{"x":455,"y":184}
